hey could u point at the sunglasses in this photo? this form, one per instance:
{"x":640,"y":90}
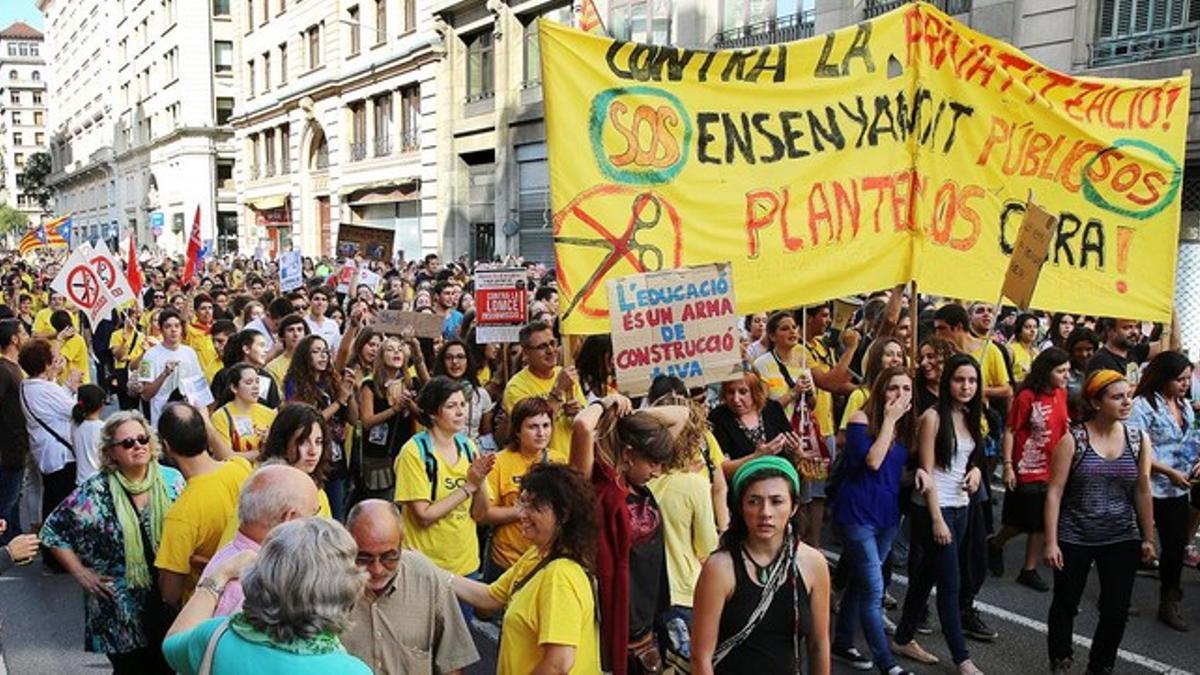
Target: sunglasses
{"x":128,"y":443}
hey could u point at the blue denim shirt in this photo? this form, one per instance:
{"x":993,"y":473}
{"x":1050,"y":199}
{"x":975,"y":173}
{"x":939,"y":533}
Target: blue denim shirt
{"x":1174,"y":446}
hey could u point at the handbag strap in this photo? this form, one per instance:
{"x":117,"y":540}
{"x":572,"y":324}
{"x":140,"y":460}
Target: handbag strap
{"x":66,"y":444}
{"x":211,"y":648}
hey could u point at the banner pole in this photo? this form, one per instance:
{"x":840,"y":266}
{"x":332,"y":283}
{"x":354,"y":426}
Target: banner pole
{"x":914,"y":307}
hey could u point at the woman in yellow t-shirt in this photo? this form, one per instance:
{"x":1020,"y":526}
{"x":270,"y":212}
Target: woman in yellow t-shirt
{"x":298,"y":437}
{"x":550,"y":620}
{"x":71,"y":346}
{"x":439,"y":475}
{"x":1023,"y":345}
{"x":243,"y":422}
{"x":533,"y":426}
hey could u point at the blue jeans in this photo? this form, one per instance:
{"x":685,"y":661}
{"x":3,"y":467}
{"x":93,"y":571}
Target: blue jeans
{"x":335,"y":489}
{"x":10,"y":500}
{"x":938,"y":565}
{"x":863,"y":548}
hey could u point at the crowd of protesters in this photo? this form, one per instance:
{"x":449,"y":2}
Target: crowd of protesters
{"x":332,"y":498}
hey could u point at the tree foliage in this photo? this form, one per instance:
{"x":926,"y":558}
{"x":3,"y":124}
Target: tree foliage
{"x":32,"y":180}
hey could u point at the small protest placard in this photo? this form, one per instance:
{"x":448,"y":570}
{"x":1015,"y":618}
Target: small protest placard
{"x":679,"y":322}
{"x":195,"y":389}
{"x":1029,"y":254}
{"x":395,"y":322}
{"x":345,"y":276}
{"x":291,"y":271}
{"x":369,"y":279}
{"x":500,"y":305}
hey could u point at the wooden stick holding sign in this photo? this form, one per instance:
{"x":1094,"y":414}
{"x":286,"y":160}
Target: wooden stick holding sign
{"x":396,"y":322}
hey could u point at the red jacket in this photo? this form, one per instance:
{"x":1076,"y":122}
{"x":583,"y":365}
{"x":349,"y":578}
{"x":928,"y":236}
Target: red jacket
{"x":612,"y":568}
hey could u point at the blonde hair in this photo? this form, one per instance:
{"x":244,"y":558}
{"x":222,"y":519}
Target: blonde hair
{"x":108,"y":437}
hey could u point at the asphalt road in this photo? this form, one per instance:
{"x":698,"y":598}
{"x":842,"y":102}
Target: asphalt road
{"x":42,"y":630}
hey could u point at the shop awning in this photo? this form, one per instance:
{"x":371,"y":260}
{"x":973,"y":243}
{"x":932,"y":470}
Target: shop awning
{"x":389,"y":193}
{"x":268,"y":203}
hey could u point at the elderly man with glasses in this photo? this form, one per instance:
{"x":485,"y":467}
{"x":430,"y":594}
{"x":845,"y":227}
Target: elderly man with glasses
{"x":407,"y":622}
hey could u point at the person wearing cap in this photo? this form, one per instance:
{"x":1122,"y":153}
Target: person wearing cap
{"x":762,"y":600}
{"x":1098,"y":510}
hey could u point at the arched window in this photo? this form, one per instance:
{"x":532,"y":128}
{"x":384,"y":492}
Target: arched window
{"x":37,"y":76}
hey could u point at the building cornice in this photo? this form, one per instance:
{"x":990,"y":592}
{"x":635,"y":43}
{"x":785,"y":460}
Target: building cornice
{"x":216,"y":134}
{"x":357,"y":80}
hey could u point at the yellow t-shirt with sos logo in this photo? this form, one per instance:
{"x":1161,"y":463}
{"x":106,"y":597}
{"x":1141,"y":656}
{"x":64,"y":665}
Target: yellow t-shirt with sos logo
{"x":450,"y":542}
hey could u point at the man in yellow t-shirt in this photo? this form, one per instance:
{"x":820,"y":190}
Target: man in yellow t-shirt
{"x":544,"y":378}
{"x":41,"y":321}
{"x":193,"y":525}
{"x":292,"y":329}
{"x":72,"y":347}
{"x":950,"y":322}
{"x":449,"y":541}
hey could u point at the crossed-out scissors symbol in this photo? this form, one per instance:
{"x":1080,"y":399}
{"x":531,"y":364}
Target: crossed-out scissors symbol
{"x":643,"y":257}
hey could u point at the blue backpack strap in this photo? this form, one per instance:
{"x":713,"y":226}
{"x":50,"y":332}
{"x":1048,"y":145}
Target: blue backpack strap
{"x":425,"y":445}
{"x":463,"y":446}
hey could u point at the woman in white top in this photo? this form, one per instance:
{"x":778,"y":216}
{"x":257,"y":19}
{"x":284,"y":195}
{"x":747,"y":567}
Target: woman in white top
{"x":950,"y":445}
{"x":47,"y":407}
{"x":85,"y":431}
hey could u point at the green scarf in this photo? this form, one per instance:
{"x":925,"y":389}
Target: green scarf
{"x":321,"y":643}
{"x":137,"y":572}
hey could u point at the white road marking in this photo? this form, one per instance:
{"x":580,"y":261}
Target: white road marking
{"x":1040,"y":627}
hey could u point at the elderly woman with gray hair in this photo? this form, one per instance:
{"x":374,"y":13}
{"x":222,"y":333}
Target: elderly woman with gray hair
{"x":106,"y":533}
{"x":299,"y":589}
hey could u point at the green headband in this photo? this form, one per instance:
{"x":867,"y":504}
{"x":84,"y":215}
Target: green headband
{"x":747,"y":470}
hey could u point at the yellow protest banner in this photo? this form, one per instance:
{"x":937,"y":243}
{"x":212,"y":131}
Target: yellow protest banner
{"x":898,"y":149}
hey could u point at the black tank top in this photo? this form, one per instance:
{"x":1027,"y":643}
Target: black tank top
{"x":770,"y":649}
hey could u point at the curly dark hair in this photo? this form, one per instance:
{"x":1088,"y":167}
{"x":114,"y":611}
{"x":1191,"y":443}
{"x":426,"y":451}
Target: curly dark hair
{"x":570,"y":496}
{"x":308,"y":383}
{"x":296,"y":421}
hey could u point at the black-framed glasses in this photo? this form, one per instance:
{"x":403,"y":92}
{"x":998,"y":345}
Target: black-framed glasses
{"x":128,"y":443}
{"x":388,"y":559}
{"x":545,"y":346}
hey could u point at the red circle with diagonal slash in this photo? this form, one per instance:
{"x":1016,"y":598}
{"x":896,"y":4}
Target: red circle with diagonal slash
{"x":104,"y":267}
{"x":83,"y":287}
{"x":581,"y":215}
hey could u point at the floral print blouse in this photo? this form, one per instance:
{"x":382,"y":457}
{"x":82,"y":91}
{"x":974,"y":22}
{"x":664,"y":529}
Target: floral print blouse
{"x":86,"y":523}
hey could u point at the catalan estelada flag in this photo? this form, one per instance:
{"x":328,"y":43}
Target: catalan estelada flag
{"x":33,"y":239}
{"x":58,"y":231}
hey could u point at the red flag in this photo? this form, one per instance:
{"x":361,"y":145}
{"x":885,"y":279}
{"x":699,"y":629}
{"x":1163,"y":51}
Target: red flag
{"x":133,"y":273}
{"x":193,"y":251}
{"x":589,"y":19}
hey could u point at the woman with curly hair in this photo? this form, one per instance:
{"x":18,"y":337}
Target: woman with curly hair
{"x":311,"y":380}
{"x":621,"y":451}
{"x":546,"y":596}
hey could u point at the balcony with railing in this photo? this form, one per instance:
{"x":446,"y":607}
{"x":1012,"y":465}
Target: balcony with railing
{"x":383,"y":146}
{"x":252,"y":171}
{"x":772,"y":31}
{"x":874,"y":8}
{"x":358,"y":151}
{"x":1132,"y":31}
{"x":269,"y":171}
{"x":410,"y":140}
